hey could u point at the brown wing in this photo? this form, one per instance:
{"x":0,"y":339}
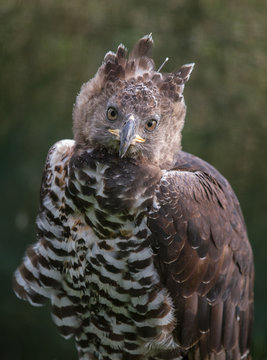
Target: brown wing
{"x":204,"y":259}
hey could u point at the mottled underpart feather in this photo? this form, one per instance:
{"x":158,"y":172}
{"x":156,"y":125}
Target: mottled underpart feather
{"x":93,"y":259}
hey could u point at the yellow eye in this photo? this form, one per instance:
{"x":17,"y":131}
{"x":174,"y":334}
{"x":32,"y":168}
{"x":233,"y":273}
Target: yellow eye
{"x":112,"y":114}
{"x":151,"y":125}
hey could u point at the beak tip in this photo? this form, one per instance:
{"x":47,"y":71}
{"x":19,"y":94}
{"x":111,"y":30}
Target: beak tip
{"x":122,"y":151}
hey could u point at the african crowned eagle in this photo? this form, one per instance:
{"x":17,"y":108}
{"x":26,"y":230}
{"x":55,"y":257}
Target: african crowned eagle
{"x":141,"y":248}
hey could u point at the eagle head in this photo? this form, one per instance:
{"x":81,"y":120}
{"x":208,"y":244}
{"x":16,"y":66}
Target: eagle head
{"x":131,"y":109}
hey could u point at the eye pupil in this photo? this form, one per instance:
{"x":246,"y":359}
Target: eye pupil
{"x":112,"y":114}
{"x":151,"y":125}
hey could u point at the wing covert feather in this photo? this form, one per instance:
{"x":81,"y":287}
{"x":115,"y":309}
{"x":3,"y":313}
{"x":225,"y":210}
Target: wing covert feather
{"x":204,"y":259}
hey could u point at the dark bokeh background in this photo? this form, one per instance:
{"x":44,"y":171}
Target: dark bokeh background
{"x":49,"y":48}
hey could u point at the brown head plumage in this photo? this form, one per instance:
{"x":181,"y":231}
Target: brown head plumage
{"x":131,"y":108}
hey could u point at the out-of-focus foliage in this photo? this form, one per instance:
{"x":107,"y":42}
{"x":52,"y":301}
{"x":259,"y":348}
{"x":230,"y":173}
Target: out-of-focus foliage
{"x":49,"y":48}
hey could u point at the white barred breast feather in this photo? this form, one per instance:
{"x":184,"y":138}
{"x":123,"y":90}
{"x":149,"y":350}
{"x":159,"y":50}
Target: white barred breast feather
{"x":42,"y":273}
{"x":94,"y":263}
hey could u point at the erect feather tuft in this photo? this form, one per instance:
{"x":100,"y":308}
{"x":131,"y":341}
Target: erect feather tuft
{"x":185,"y":71}
{"x":142,"y":47}
{"x":121,"y":52}
{"x":109,"y":57}
{"x":118,"y":67}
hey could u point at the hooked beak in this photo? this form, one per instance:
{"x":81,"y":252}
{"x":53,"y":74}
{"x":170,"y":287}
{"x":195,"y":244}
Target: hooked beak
{"x":127,"y":135}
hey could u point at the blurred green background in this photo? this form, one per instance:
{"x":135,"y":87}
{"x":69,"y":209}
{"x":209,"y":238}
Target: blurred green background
{"x":49,"y":48}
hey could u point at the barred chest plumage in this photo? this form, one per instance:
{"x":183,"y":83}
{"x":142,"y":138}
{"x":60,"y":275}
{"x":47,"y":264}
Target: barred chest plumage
{"x":122,"y":311}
